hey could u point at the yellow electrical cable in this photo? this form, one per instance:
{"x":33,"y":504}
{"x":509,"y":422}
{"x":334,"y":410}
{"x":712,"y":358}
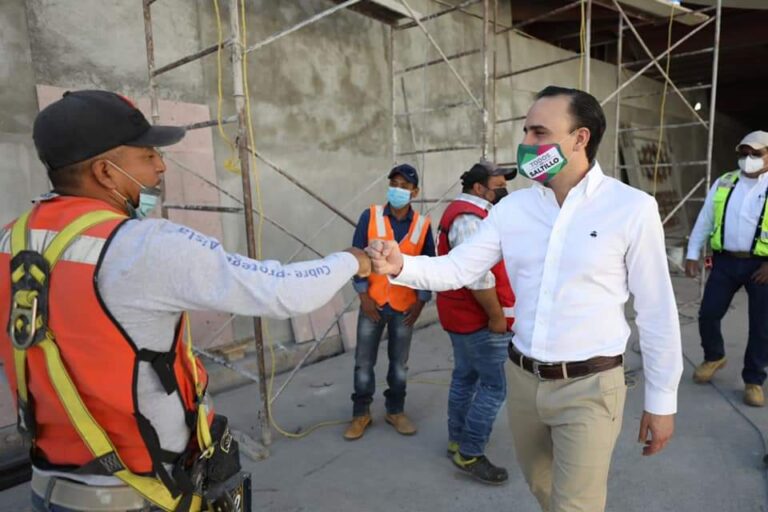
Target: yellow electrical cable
{"x":663,"y":105}
{"x":230,"y":163}
{"x":259,"y":201}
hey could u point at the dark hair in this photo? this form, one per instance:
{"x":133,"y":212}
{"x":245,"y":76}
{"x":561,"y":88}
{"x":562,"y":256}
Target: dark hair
{"x":468,"y":186}
{"x":68,"y":176}
{"x":586,"y":112}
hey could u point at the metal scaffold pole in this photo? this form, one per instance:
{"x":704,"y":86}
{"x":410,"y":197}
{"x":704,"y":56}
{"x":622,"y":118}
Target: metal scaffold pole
{"x":712,"y":112}
{"x":244,"y":154}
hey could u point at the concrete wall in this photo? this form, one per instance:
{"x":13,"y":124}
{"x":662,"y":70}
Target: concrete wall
{"x":320,"y":100}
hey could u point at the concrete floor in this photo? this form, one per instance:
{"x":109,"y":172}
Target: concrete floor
{"x":714,"y":463}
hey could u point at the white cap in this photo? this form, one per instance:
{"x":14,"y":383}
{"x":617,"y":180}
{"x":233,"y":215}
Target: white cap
{"x":755,"y":140}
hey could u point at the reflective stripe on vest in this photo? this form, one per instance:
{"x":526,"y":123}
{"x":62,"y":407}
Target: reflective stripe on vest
{"x":71,"y":245}
{"x":725,"y":186}
{"x":381,"y":228}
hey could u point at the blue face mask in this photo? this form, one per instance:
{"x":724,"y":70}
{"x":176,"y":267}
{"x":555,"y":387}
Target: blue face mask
{"x":398,"y":197}
{"x":148,"y":197}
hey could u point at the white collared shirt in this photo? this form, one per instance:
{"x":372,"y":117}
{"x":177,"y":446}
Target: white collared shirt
{"x":572,"y":269}
{"x":741,"y":216}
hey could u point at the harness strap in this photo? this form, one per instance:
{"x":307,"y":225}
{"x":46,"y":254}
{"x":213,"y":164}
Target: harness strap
{"x":92,"y":434}
{"x":162,"y":363}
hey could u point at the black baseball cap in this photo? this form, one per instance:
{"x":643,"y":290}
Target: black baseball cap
{"x":481,"y":171}
{"x":83,"y":124}
{"x":407,"y":172}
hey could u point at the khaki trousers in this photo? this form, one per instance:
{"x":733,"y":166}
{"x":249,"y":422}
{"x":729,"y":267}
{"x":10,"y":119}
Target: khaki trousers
{"x":564,"y":433}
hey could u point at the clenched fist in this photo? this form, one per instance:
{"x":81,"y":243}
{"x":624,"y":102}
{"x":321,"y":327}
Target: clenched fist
{"x":363,"y":261}
{"x":385,"y":256}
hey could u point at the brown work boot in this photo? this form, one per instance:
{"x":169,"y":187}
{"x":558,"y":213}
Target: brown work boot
{"x":706,"y":370}
{"x":401,"y":423}
{"x":356,"y":429}
{"x":753,"y":395}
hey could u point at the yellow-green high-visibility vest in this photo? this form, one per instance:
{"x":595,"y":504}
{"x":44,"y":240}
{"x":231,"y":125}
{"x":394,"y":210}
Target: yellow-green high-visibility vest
{"x":725,"y":186}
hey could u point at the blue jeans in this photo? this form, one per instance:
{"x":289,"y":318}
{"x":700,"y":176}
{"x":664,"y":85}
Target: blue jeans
{"x":478,"y":388}
{"x":368,"y":338}
{"x":728,"y":275}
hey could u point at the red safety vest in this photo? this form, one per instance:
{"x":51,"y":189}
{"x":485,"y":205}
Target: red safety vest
{"x":400,"y":298}
{"x":458,"y":310}
{"x":98,"y":356}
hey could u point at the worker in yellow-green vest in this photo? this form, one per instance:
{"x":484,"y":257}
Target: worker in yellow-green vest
{"x":735,"y":220}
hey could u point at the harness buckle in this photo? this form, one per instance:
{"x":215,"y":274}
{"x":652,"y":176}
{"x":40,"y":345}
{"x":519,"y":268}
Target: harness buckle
{"x":28,"y":321}
{"x":23,"y":324}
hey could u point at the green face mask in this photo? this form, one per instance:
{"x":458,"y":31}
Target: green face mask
{"x":540,"y":162}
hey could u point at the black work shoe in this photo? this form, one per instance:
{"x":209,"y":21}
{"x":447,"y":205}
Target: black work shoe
{"x":481,"y":468}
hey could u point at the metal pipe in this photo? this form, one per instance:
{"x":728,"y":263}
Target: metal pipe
{"x":494,"y":43}
{"x":300,"y":185}
{"x":299,"y":26}
{"x":209,"y":123}
{"x":712,"y":110}
{"x":267,"y":219}
{"x":692,"y":163}
{"x":588,"y":46}
{"x":204,"y":208}
{"x":510,"y":119}
{"x":311,"y":351}
{"x":666,"y":126}
{"x":544,"y":16}
{"x":439,"y":150}
{"x":438,"y":61}
{"x":322,"y":228}
{"x":438,"y":14}
{"x":392,"y":93}
{"x":407,"y":118}
{"x":682,"y":201}
{"x":190,"y":58}
{"x":539,"y":66}
{"x":442,"y":54}
{"x":617,"y":119}
{"x":153,"y":101}
{"x":243,"y":144}
{"x":486,"y":77}
{"x":673,"y":56}
{"x":659,"y":93}
{"x":441,"y":108}
{"x":658,"y":66}
{"x":655,"y":61}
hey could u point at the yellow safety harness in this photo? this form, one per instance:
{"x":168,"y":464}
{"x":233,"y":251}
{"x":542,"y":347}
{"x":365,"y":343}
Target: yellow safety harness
{"x":29,"y":329}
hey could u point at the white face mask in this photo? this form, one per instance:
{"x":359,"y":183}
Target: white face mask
{"x":751,"y":164}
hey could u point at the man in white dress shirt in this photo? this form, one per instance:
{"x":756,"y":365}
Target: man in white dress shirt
{"x":575,"y":245}
{"x":734,"y":221}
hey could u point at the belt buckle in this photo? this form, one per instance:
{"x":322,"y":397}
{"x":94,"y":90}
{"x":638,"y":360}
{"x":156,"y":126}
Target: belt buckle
{"x":536,"y":369}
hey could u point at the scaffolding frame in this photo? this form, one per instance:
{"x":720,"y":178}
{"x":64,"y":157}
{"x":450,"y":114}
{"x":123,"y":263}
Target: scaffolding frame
{"x":486,"y":104}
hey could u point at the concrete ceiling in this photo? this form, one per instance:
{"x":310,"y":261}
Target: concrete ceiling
{"x":743,"y":48}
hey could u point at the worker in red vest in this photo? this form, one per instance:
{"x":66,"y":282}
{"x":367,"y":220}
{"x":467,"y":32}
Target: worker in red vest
{"x":383,"y":304}
{"x":479,"y":321}
{"x":97,"y":348}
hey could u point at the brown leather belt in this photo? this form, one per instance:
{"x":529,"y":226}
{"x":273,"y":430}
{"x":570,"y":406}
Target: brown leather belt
{"x":557,"y":371}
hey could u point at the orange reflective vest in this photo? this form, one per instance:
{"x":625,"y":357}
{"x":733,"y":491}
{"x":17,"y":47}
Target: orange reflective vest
{"x":81,"y":378}
{"x":399,"y":298}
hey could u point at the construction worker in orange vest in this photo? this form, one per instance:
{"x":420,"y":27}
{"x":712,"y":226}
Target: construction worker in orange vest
{"x":97,"y":350}
{"x":385,"y":305}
